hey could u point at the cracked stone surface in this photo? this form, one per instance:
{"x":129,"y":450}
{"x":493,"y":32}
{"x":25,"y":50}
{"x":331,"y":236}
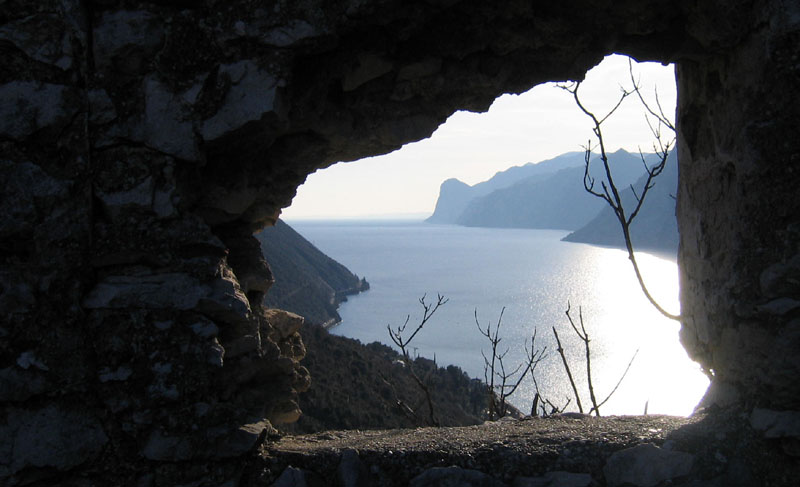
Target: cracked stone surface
{"x":141,"y":144}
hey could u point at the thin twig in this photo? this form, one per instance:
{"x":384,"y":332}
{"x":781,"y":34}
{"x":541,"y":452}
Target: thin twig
{"x":397,"y":337}
{"x":560,"y":351}
{"x":610,"y":194}
{"x":619,"y":381}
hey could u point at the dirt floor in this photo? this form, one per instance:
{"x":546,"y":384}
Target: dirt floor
{"x":726,"y":450}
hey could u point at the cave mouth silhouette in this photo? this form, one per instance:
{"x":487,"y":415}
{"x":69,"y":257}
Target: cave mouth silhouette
{"x":356,"y":186}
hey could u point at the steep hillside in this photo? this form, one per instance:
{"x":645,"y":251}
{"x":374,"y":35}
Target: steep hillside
{"x":307,"y":282}
{"x":557,"y":201}
{"x":356,"y":386}
{"x":655,"y":227}
{"x":455,"y":196}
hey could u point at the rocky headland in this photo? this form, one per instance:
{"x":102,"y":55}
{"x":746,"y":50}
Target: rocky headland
{"x":307,"y":281}
{"x":655,"y":227}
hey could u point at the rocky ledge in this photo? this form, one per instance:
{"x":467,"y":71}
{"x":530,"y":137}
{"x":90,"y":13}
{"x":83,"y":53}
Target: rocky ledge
{"x":570,"y":450}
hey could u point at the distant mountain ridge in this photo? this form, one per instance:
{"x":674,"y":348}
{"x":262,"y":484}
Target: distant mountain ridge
{"x":455,"y":195}
{"x":550,"y":195}
{"x":655,"y":227}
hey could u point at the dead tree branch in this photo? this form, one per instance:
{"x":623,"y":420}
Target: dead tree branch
{"x":560,"y":351}
{"x":584,"y":336}
{"x":489,"y":365}
{"x":597,"y":407}
{"x":500,"y":382}
{"x":608,"y":189}
{"x":397,"y":337}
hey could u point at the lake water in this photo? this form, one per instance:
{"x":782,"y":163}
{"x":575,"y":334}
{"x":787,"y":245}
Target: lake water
{"x":533,"y":275}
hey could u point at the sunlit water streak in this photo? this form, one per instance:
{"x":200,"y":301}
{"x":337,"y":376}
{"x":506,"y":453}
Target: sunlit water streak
{"x":533,"y":275}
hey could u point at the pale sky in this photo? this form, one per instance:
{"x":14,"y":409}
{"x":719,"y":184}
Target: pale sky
{"x":534,"y":126}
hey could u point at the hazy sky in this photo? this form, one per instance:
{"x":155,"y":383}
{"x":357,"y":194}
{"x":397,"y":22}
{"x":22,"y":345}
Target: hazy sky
{"x":534,"y":126}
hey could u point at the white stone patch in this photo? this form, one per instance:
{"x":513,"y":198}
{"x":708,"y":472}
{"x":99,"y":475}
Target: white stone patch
{"x":291,"y":33}
{"x":140,"y":195}
{"x":776,"y":424}
{"x":167,"y":122}
{"x":121,"y":374}
{"x":27,"y":360}
{"x":205,"y":329}
{"x":251,"y":96}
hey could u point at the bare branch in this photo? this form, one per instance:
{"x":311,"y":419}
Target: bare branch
{"x":560,"y":351}
{"x":610,"y":194}
{"x":660,"y":116}
{"x":618,"y":383}
{"x":397,"y":338}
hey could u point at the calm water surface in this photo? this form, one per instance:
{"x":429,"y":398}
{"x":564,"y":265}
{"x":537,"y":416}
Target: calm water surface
{"x":533,"y":275}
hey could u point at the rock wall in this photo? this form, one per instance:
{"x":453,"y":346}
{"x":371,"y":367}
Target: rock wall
{"x":141,"y":144}
{"x":738,"y":211}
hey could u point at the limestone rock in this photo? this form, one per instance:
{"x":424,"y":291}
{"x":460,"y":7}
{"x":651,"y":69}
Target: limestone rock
{"x":243,"y":439}
{"x":51,"y":437}
{"x":167,"y":122}
{"x":555,"y":479}
{"x":454,"y":477}
{"x":101,"y":107}
{"x":19,"y":385}
{"x":29,"y":106}
{"x":776,"y":424}
{"x":284,"y":322}
{"x":168,"y":448}
{"x":291,"y":477}
{"x":131,"y":133}
{"x":125,"y":38}
{"x":352,"y":473}
{"x":41,"y":37}
{"x":251,"y":96}
{"x":646,"y":465}
{"x":160,"y":291}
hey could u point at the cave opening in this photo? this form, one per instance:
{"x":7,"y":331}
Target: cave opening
{"x":367,"y":215}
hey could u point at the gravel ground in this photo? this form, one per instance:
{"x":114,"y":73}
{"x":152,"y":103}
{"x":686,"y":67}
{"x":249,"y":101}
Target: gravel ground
{"x":726,"y":451}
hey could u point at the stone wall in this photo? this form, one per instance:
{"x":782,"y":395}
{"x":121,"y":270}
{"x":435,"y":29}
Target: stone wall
{"x":739,"y":214}
{"x":141,"y":144}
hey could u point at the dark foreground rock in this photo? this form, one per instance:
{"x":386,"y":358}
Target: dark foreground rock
{"x":142,"y":143}
{"x":643,"y":451}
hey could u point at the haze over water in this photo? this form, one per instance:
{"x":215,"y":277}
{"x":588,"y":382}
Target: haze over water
{"x":533,"y":275}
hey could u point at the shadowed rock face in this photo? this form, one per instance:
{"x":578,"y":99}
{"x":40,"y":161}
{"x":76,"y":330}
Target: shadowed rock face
{"x":141,"y":144}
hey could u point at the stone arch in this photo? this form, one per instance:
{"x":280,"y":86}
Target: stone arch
{"x":143,"y":143}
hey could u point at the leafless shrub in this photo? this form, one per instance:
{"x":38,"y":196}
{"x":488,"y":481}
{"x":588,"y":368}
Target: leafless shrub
{"x":397,"y":337}
{"x":501,"y":382}
{"x":607,"y":190}
{"x":584,"y":336}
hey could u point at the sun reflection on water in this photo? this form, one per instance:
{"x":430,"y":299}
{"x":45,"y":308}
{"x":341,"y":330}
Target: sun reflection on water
{"x":533,"y":274}
{"x":621,"y":321}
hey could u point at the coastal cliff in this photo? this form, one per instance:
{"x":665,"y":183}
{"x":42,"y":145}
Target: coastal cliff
{"x":307,"y":281}
{"x":655,"y":227}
